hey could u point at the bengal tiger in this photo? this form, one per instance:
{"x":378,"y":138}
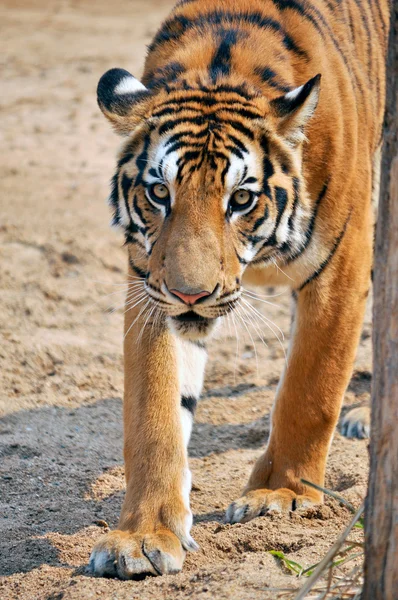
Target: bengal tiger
{"x":251,"y":147}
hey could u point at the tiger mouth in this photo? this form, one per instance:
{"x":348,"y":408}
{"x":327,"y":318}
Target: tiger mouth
{"x":192,"y":317}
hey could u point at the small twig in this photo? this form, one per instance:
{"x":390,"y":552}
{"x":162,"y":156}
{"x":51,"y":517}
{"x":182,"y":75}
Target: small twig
{"x":323,"y":565}
{"x":330,"y":493}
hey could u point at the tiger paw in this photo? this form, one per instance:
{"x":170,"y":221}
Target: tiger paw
{"x":131,"y":555}
{"x":257,"y":503}
{"x":356,"y":423}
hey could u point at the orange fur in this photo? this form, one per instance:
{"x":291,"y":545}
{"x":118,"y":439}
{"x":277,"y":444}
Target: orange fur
{"x":222,"y":78}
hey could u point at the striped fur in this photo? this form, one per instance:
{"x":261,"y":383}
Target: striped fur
{"x":248,"y":155}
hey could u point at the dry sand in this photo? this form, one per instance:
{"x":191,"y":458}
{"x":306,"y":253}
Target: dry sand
{"x":61,"y":470}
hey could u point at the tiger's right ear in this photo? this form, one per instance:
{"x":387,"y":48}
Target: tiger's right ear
{"x":124,"y":100}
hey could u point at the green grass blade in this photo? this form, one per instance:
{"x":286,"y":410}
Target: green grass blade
{"x":291,"y":564}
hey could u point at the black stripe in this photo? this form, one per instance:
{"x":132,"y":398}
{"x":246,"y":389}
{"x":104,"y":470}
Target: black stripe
{"x":285,"y":165}
{"x":239,"y":127}
{"x":165,"y":127}
{"x":368,"y":36}
{"x":188,"y":156}
{"x":137,"y":270}
{"x":202,"y":135}
{"x":234,"y":108}
{"x":199,"y":344}
{"x":311,"y":225}
{"x":296,"y":6}
{"x":114,"y":199}
{"x":224,"y":172}
{"x":141,"y":161}
{"x":204,"y":96}
{"x":281,"y":201}
{"x":327,"y":260}
{"x":130,"y":239}
{"x":190,"y":403}
{"x":238,"y":143}
{"x":240,"y":259}
{"x":296,"y":189}
{"x":235,"y":151}
{"x":125,"y":159}
{"x":268,"y":169}
{"x":152,"y":171}
{"x":139,"y":213}
{"x":239,"y":90}
{"x":125,"y":185}
{"x":269,"y":76}
{"x":221,"y":61}
{"x":253,"y":239}
{"x":164,"y":75}
{"x":261,"y":220}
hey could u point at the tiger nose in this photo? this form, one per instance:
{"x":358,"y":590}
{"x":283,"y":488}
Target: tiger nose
{"x":190,"y":298}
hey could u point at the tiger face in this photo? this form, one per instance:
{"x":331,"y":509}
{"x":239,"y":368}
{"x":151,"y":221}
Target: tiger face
{"x":209,"y":181}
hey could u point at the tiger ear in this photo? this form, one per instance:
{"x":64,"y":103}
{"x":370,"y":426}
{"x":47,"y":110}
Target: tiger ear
{"x":123,"y":99}
{"x":294,"y":110}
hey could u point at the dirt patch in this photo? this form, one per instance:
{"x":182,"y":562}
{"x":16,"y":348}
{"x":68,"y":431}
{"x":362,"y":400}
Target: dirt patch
{"x":61,"y":469}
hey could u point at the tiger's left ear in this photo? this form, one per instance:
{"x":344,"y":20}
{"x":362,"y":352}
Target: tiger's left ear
{"x":123,"y":99}
{"x":294,"y":110}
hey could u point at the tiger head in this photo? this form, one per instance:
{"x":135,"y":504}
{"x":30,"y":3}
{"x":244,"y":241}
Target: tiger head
{"x":208,"y":181}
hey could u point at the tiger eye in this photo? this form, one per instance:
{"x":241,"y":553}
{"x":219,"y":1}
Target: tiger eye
{"x":241,"y":197}
{"x":160,"y":191}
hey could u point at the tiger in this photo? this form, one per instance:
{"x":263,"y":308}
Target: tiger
{"x":250,"y":156}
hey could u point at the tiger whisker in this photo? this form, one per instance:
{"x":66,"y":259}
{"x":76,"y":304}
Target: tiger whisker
{"x":132,"y":304}
{"x":145,"y":324}
{"x":155,"y":322}
{"x":279,"y":269}
{"x":255,"y":326}
{"x":109,"y":307}
{"x":259,"y":299}
{"x":150,"y":161}
{"x":248,"y":331}
{"x":129,"y":299}
{"x":263,"y":317}
{"x":137,"y":317}
{"x":131,"y":288}
{"x":228,"y":321}
{"x":267,"y":323}
{"x":258,"y":295}
{"x":104,"y":282}
{"x":134,"y":294}
{"x":237,"y":341}
{"x":135,"y":277}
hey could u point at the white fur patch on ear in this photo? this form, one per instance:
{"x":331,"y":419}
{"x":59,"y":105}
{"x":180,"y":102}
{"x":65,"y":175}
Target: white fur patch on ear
{"x":294,"y":93}
{"x":129,"y":85}
{"x":295,"y":108}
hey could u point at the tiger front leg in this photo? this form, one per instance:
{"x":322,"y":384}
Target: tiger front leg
{"x":163,"y":380}
{"x":328,"y":319}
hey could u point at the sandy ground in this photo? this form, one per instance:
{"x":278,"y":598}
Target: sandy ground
{"x":61,"y":470}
